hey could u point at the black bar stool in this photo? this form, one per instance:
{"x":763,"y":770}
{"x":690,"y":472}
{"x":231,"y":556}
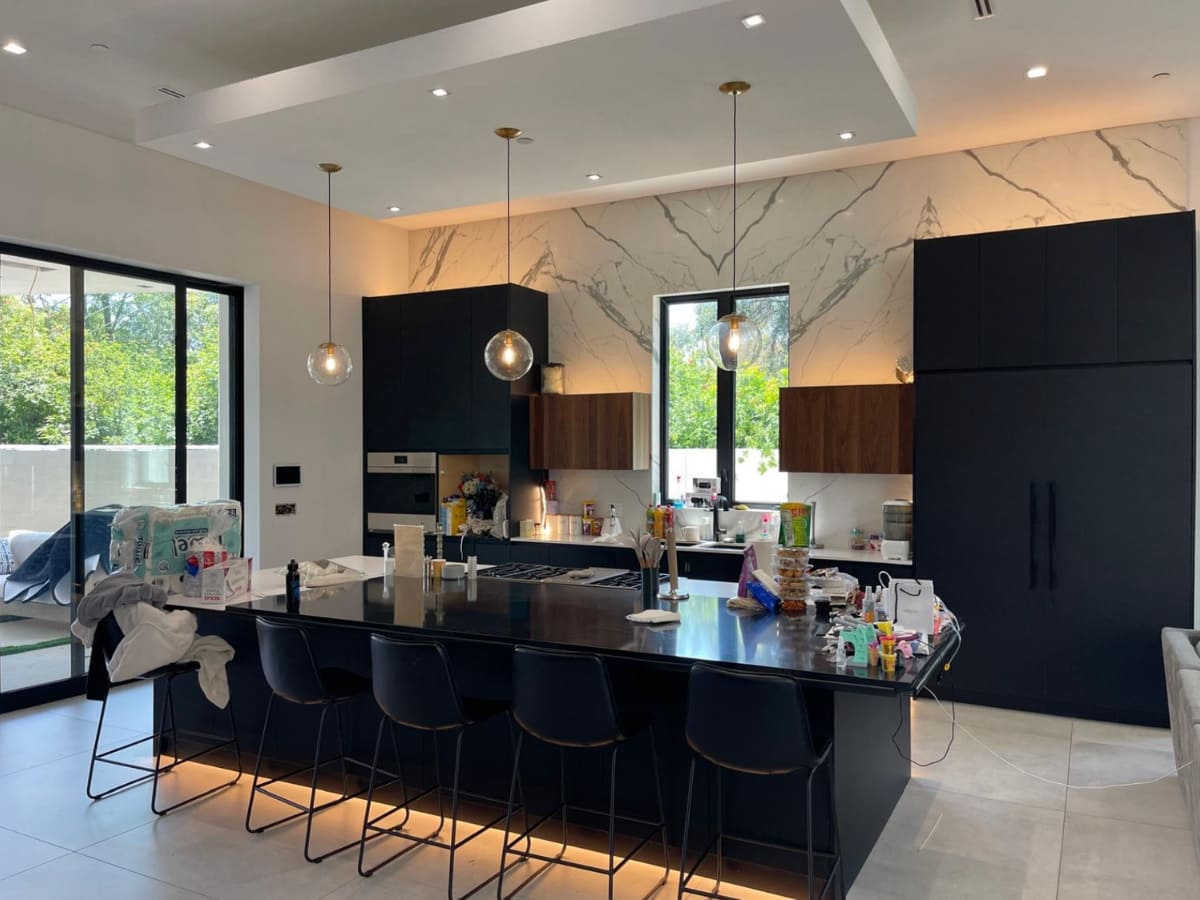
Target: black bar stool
{"x":414,"y":688}
{"x":293,"y":674}
{"x":755,"y":724}
{"x":566,"y":699}
{"x":104,"y":644}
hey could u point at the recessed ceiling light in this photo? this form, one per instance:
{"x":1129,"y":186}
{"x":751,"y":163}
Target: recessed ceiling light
{"x":100,"y":48}
{"x":594,"y":176}
{"x":14,"y":48}
{"x":202,"y":145}
{"x":1037,"y":72}
{"x":393,"y":209}
{"x":753,"y":21}
{"x":440,"y":92}
{"x":524,"y":139}
{"x":847,"y":135}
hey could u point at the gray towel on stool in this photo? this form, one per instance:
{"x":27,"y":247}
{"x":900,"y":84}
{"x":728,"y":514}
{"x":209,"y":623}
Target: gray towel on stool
{"x":212,"y":653}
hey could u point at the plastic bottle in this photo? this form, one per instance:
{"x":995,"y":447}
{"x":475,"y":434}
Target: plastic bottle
{"x":650,"y":519}
{"x":839,"y":656}
{"x":764,"y":533}
{"x":291,"y":586}
{"x":658,"y":522}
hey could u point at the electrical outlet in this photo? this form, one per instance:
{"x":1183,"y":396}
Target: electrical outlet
{"x":285,"y":509}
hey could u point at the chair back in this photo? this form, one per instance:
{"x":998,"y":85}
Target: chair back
{"x":104,"y":644}
{"x":564,"y":698}
{"x":413,"y":684}
{"x":750,"y":723}
{"x":288,"y":663}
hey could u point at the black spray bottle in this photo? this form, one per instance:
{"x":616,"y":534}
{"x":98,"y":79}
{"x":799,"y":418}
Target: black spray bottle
{"x":291,"y":587}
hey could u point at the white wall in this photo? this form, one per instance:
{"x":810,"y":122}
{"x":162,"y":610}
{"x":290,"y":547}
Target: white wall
{"x":74,"y":190}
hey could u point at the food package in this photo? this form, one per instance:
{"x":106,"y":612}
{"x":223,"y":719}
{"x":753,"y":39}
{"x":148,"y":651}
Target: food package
{"x":154,"y":542}
{"x":795,"y":524}
{"x":454,"y":515}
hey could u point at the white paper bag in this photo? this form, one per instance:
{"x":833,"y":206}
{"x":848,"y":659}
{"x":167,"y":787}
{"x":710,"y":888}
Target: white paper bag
{"x":914,"y":604}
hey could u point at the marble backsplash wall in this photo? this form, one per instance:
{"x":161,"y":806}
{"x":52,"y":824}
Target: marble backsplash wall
{"x":842,"y":240}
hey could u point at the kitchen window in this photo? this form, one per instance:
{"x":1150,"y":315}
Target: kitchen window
{"x":722,"y":423}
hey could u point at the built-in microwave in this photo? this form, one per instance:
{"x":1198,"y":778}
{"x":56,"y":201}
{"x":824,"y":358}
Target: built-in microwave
{"x":401,"y":489}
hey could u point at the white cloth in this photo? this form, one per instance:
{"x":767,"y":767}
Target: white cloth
{"x":212,"y":653}
{"x":653,"y":617}
{"x":153,"y":638}
{"x":323,"y":572}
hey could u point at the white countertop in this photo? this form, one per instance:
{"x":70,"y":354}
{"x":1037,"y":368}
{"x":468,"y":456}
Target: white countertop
{"x":833,"y":554}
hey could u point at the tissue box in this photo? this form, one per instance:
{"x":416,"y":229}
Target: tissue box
{"x":226,"y":580}
{"x":154,"y":542}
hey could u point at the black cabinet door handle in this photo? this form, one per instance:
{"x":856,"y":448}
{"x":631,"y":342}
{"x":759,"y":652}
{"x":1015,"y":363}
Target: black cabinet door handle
{"x":1053,"y":523}
{"x":1032,"y":535}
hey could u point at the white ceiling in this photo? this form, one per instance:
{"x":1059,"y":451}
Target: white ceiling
{"x":189,"y":45}
{"x":624,"y":87}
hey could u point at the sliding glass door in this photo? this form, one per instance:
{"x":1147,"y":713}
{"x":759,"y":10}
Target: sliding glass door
{"x":35,"y":467}
{"x":118,"y":387}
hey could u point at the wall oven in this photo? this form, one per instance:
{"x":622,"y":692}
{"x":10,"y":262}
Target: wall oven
{"x":401,"y":489}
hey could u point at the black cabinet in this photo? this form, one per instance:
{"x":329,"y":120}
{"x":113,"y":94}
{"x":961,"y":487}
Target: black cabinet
{"x":1122,"y":437}
{"x":1081,"y":293}
{"x":1012,"y":298}
{"x":1118,"y":290}
{"x":946,"y":320}
{"x":1028,"y":485}
{"x":425,"y":384}
{"x":1157,"y":287}
{"x":976,"y":532}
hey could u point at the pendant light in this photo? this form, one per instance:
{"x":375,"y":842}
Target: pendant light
{"x":734,"y":340}
{"x":508,"y":355}
{"x":330,"y":363}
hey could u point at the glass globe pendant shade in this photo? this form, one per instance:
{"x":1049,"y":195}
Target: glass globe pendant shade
{"x":508,"y":355}
{"x":330,"y":364}
{"x":733,"y":342}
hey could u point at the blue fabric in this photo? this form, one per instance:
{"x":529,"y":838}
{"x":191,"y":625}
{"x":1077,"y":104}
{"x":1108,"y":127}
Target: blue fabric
{"x":52,"y":560}
{"x":6,"y":557}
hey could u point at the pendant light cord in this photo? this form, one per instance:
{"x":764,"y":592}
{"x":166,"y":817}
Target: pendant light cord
{"x":735,"y":231}
{"x":329,"y":248}
{"x":508,"y":201}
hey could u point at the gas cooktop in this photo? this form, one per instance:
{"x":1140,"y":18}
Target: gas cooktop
{"x":621,"y":579}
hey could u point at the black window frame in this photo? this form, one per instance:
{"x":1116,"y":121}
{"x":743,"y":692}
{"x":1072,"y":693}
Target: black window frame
{"x":726,"y":389}
{"x":79,"y":265}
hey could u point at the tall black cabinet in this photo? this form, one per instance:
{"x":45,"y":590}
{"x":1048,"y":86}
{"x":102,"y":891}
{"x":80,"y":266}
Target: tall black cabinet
{"x":426,"y":387}
{"x":1054,"y":465}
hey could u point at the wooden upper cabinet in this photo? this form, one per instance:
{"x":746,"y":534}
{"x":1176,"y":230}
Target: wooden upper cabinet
{"x":590,"y":431}
{"x":851,"y":428}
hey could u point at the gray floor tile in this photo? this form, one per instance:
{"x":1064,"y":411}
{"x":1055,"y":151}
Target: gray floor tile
{"x":37,"y":736}
{"x":973,"y":717}
{"x":971,"y":769}
{"x":1125,"y":735}
{"x":946,"y":845}
{"x":1160,"y":803}
{"x":73,"y":876}
{"x":48,"y":802}
{"x":1107,"y":858}
{"x":19,"y":852}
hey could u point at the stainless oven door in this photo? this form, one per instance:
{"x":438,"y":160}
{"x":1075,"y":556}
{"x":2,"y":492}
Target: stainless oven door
{"x":401,"y":489}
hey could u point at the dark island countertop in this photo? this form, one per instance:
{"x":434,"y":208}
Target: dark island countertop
{"x":588,"y":618}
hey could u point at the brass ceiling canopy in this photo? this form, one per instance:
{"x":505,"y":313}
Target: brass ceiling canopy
{"x":329,"y":168}
{"x":734,"y":87}
{"x":508,"y":133}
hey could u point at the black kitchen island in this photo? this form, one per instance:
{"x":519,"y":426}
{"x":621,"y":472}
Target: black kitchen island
{"x":480,"y":622}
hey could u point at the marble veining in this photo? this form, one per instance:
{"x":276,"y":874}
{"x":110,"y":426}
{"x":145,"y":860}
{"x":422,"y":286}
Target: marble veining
{"x":841,"y":241}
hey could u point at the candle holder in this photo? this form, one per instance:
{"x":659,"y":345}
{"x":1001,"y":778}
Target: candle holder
{"x":673,"y":596}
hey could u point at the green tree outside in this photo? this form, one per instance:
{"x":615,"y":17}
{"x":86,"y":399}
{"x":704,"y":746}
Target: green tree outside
{"x":692,"y":410}
{"x":129,"y":369}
